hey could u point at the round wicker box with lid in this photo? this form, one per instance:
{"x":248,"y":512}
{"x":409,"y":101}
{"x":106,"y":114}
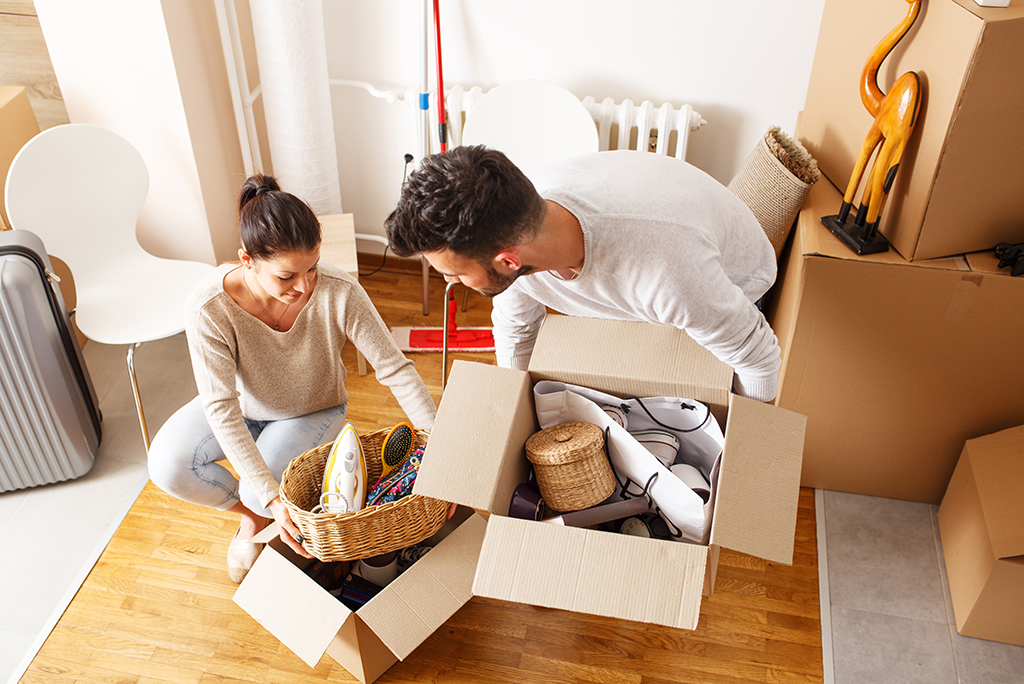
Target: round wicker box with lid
{"x":366,"y":533}
{"x":571,"y":466}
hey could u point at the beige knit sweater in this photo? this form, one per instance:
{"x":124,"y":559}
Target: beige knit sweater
{"x":245,"y":368}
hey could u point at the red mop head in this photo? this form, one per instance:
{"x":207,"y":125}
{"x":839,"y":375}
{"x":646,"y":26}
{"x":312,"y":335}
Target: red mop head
{"x":432,"y":339}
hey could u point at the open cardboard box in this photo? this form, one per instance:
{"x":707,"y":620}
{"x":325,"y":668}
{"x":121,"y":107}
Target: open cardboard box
{"x":895,"y":363}
{"x":279,"y":595}
{"x":476,"y":457}
{"x":983,"y":539}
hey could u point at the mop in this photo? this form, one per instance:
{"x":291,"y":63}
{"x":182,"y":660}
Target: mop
{"x":449,"y":336}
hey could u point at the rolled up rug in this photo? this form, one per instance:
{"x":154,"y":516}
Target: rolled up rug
{"x":774,"y":182}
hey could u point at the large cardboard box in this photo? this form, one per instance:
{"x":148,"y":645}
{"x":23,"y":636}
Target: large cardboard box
{"x":895,"y":364}
{"x":983,"y":538}
{"x":476,"y":457}
{"x":18,"y":125}
{"x":279,"y":595}
{"x":959,"y":187}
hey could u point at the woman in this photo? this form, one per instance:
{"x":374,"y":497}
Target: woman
{"x":265,"y":336}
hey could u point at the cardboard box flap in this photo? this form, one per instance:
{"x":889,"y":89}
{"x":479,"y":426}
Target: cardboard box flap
{"x":824,"y":199}
{"x":593,"y":572}
{"x":998,"y":464}
{"x":443,"y":584}
{"x":480,"y":426}
{"x":290,"y":606}
{"x":628,"y":358}
{"x":760,"y":469}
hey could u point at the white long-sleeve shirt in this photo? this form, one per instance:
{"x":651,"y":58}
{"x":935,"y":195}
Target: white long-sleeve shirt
{"x":244,"y":368}
{"x":664,"y":243}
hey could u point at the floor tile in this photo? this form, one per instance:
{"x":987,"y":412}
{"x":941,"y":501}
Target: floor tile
{"x":166,"y":383}
{"x":882,"y":557}
{"x":946,"y":598}
{"x":987,"y":662}
{"x":15,"y":647}
{"x":106,"y":363}
{"x":9,"y":503}
{"x":883,"y":649}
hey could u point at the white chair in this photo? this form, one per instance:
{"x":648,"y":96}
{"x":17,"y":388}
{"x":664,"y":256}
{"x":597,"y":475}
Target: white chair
{"x":534,"y":123}
{"x":80,"y":188}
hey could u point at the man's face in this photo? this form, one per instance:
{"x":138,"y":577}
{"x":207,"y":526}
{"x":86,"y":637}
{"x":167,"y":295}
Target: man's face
{"x":485,"y":279}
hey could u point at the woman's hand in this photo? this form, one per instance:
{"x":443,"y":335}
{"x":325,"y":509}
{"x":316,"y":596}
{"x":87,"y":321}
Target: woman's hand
{"x":290,"y":534}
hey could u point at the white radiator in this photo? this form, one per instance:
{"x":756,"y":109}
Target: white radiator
{"x":623,"y":125}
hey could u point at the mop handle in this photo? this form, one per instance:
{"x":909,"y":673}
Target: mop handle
{"x":442,"y":128}
{"x":452,"y":329}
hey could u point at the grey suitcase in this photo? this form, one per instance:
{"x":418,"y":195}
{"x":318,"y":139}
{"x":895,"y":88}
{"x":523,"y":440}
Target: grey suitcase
{"x":50,"y":424}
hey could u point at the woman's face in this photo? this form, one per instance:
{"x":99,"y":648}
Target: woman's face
{"x":289,"y":275}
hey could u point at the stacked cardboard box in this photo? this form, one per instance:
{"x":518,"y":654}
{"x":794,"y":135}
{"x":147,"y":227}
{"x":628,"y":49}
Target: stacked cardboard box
{"x":898,"y":358}
{"x":895,"y":363}
{"x":983,"y":539}
{"x":476,"y":457}
{"x":18,"y":125}
{"x":959,"y":187}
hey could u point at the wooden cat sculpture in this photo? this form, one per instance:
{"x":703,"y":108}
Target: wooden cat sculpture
{"x":895,"y":115}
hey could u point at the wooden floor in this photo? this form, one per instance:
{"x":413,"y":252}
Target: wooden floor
{"x":157,"y":606}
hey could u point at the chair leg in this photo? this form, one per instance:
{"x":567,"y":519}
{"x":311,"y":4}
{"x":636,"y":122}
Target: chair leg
{"x":465,"y":299}
{"x":135,"y":390}
{"x":448,"y":311}
{"x":426,"y":285}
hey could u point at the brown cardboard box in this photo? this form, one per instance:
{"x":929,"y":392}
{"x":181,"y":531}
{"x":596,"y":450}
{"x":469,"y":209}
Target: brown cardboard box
{"x":476,"y":457}
{"x":894,"y":363}
{"x":311,"y":622}
{"x":983,"y":538}
{"x":959,"y":187}
{"x":17,"y":126}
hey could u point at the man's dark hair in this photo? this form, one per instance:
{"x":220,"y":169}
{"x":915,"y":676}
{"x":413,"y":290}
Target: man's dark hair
{"x":470,"y":200}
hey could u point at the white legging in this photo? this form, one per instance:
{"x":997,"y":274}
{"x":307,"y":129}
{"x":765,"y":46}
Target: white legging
{"x":184,"y":455}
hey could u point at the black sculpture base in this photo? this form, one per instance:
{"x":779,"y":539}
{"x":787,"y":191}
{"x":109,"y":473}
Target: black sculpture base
{"x":852,"y":235}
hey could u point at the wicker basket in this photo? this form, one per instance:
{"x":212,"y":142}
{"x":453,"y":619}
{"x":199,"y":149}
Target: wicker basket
{"x":362,"y":534}
{"x":572,"y":469}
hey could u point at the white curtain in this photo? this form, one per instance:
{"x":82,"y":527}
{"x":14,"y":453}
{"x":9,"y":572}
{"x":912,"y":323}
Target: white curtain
{"x":292,"y":55}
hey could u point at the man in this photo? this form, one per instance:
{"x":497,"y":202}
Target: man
{"x":623,"y":235}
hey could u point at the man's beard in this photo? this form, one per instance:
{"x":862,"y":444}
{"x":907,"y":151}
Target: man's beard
{"x":498,"y":283}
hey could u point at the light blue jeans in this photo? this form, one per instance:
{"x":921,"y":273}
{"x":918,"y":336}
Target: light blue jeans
{"x":184,"y":455}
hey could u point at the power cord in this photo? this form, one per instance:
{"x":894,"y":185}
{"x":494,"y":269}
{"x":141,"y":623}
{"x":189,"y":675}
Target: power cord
{"x":383,"y":260}
{"x":384,"y":257}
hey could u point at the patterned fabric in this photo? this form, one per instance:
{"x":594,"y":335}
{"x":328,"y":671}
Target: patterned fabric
{"x":398,"y":482}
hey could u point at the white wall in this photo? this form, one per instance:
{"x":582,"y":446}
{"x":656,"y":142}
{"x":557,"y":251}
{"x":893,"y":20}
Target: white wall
{"x":743,"y":65}
{"x":114,"y":65}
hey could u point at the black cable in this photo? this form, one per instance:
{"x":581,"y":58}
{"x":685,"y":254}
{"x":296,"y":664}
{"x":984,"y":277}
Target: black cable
{"x":626,"y":407}
{"x":384,"y":257}
{"x":383,"y":260}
